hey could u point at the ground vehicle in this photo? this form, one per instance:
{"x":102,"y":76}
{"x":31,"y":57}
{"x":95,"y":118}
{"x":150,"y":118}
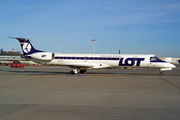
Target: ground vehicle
{"x":17,"y":64}
{"x":6,"y":64}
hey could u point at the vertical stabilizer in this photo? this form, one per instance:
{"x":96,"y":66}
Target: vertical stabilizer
{"x":26,"y":46}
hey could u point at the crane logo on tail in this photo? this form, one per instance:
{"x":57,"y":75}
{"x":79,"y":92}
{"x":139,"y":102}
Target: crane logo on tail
{"x":26,"y":47}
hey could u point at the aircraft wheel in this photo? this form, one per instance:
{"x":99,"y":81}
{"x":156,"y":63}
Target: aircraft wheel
{"x":75,"y":71}
{"x":161,"y":73}
{"x":82,"y":71}
{"x":72,"y":72}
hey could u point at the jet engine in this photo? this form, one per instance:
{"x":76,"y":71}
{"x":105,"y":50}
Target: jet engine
{"x":42,"y":57}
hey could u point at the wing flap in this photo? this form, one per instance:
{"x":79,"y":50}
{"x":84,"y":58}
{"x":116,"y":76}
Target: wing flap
{"x":164,"y":69}
{"x":88,"y":65}
{"x":80,"y":65}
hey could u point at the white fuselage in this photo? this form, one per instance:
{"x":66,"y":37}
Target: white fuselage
{"x":97,"y":61}
{"x":83,"y":62}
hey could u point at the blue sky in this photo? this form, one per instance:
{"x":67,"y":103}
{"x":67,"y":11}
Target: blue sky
{"x":68,"y":26}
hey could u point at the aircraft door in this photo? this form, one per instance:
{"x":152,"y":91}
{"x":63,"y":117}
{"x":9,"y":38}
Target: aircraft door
{"x":85,"y":58}
{"x":151,"y":63}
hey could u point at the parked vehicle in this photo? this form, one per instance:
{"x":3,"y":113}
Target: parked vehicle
{"x":6,"y":64}
{"x":17,"y":64}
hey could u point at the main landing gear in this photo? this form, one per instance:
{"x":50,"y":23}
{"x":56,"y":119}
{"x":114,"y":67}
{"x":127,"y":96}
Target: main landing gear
{"x":75,"y":71}
{"x":161,"y":73}
{"x":82,"y":71}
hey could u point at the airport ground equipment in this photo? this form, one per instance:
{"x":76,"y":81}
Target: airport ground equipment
{"x":6,"y":64}
{"x":17,"y":64}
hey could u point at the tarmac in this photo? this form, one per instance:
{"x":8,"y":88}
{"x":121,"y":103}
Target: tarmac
{"x":52,"y":93}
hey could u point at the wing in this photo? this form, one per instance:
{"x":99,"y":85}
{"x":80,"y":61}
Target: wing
{"x":80,"y":65}
{"x":87,"y":65}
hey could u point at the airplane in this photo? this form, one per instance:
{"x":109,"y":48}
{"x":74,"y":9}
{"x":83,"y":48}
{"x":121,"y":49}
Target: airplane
{"x":82,"y":62}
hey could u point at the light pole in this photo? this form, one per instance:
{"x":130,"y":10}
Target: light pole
{"x":93,"y":45}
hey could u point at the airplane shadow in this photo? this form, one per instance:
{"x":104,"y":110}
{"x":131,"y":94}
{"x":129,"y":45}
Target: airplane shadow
{"x":34,"y":72}
{"x":67,"y":73}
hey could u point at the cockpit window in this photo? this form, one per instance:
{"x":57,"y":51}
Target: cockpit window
{"x":154,"y":58}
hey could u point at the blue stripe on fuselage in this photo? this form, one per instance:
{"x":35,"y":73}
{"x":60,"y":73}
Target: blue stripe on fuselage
{"x":87,"y":58}
{"x":157,"y":61}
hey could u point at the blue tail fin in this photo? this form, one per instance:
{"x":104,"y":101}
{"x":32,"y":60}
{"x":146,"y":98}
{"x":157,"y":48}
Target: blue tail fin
{"x":26,"y":46}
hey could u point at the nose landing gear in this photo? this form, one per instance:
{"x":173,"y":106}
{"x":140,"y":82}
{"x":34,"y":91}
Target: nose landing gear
{"x":161,"y":73}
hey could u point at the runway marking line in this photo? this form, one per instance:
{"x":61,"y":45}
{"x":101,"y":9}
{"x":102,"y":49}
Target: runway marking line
{"x":78,"y":75}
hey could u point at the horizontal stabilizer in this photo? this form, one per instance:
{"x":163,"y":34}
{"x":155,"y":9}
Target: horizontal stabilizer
{"x":20,"y":39}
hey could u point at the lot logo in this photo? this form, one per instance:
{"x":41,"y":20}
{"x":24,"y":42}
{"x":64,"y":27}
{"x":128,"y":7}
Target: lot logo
{"x":26,"y":47}
{"x":130,"y":61}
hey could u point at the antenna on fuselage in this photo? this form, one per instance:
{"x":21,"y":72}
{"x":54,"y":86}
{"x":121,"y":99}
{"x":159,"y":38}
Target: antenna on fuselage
{"x":93,"y":45}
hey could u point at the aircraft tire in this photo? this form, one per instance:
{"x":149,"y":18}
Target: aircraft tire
{"x":161,"y":73}
{"x":82,"y":71}
{"x":72,"y":72}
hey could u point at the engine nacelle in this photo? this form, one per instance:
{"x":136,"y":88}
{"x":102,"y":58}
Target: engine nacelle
{"x":43,"y":56}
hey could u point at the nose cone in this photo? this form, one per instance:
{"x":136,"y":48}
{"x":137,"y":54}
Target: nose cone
{"x":172,"y":66}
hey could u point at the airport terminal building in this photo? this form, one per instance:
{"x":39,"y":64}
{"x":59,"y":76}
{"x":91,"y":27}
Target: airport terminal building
{"x":9,"y":59}
{"x":9,"y":56}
